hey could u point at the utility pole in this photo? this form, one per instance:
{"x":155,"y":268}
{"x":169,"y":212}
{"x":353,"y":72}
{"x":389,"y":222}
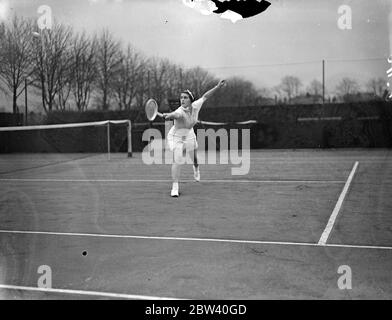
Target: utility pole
{"x":25,"y":101}
{"x":181,"y":86}
{"x":323,"y":81}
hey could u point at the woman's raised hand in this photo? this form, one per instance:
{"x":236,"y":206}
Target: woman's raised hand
{"x":221,"y":83}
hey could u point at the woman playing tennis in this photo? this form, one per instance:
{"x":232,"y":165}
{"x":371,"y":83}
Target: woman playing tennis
{"x":181,"y":136}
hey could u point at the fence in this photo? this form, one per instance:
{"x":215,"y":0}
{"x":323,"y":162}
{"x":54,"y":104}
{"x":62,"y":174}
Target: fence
{"x":282,"y":126}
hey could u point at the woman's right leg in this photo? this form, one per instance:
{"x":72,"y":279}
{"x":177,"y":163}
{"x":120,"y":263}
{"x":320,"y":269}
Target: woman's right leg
{"x":176,"y":170}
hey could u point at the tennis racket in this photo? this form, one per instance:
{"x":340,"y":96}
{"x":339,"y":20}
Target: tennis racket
{"x":151,"y":109}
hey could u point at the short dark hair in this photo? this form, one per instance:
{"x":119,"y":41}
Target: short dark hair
{"x":191,"y":96}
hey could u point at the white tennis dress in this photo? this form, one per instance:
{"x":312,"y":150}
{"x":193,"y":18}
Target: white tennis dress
{"x":182,"y":133}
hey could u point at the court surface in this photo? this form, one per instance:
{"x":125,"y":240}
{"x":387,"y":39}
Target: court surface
{"x":109,"y":229}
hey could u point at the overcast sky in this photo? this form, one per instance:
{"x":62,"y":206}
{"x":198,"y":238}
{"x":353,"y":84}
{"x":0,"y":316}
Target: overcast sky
{"x":257,"y":48}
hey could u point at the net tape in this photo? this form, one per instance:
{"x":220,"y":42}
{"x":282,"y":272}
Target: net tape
{"x":162,"y":123}
{"x":67,"y":125}
{"x":227,"y":123}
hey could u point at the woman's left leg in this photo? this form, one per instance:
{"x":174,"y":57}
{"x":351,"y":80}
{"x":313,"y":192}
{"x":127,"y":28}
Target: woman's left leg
{"x":196,"y":169}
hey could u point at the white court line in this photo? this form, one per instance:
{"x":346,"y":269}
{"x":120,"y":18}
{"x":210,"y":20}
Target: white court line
{"x":194,"y":239}
{"x":168,"y":181}
{"x":335,"y":212}
{"x":88,"y":293}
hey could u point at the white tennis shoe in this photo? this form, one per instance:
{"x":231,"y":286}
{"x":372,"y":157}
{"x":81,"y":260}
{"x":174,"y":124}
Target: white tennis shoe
{"x":174,"y":191}
{"x":196,"y":173}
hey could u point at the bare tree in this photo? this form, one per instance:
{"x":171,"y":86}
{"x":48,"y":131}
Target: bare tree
{"x":108,"y":63}
{"x":174,"y":80}
{"x":278,"y":92}
{"x":347,"y":86}
{"x":141,"y":86}
{"x":315,"y":88}
{"x":290,"y":85}
{"x":53,"y":62}
{"x":263,"y":92}
{"x":2,"y":41}
{"x":16,"y":57}
{"x":237,"y":93}
{"x":2,"y":33}
{"x":83,"y":70}
{"x":377,"y":86}
{"x":199,"y":80}
{"x":157,"y":77}
{"x":65,"y":80}
{"x":126,"y":79}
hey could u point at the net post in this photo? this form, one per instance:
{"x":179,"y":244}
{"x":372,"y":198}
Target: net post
{"x":129,"y":139}
{"x":108,"y":138}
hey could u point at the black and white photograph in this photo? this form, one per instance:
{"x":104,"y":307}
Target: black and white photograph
{"x":207,"y":150}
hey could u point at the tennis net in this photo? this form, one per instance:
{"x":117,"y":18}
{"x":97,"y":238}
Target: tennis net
{"x":87,"y":137}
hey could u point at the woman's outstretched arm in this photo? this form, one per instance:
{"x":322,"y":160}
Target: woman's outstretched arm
{"x":210,"y":92}
{"x":171,"y":115}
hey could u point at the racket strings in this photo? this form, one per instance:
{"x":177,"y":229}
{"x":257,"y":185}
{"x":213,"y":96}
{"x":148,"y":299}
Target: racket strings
{"x":151,"y":109}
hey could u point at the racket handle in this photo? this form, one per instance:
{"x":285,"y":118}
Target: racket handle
{"x":160,"y":114}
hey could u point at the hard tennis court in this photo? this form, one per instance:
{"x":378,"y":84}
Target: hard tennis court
{"x":109,"y":228}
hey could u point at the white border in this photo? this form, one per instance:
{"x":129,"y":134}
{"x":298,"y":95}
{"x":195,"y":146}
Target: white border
{"x":124,"y":236}
{"x":338,"y":206}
